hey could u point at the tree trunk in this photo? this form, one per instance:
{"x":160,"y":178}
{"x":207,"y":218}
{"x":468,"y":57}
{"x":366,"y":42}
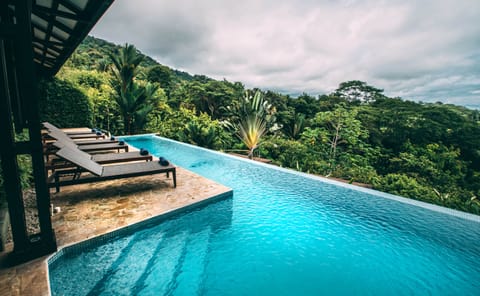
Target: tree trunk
{"x":250,"y":153}
{"x":333,"y":155}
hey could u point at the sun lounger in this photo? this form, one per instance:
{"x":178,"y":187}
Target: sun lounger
{"x":95,"y":141}
{"x":84,"y":130}
{"x":64,"y":140}
{"x":87,"y":134}
{"x":59,"y":135}
{"x":84,"y":164}
{"x":89,"y":148}
{"x":105,"y":158}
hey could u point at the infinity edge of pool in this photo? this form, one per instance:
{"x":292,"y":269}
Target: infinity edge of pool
{"x":409,"y":201}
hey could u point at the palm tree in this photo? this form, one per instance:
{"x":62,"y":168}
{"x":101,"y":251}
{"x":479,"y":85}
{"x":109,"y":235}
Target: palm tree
{"x":251,"y":130}
{"x":295,"y":126}
{"x":198,"y":134}
{"x":133,"y":99}
{"x":146,"y":105}
{"x":254,"y":115}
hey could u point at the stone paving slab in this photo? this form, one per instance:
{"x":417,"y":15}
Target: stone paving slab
{"x":89,"y":210}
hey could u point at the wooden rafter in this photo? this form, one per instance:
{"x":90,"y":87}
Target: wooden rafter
{"x":49,"y":11}
{"x":67,"y":40}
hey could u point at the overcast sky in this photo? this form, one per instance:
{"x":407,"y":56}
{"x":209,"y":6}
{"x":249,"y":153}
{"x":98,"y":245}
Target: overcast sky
{"x":419,"y":50}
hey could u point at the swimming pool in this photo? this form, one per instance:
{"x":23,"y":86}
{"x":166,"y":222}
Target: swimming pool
{"x":283,"y":233}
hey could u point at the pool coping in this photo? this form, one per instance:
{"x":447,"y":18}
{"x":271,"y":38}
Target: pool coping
{"x":397,"y":198}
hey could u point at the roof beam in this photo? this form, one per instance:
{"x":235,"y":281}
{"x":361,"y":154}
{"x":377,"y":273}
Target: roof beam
{"x":48,"y":42}
{"x":49,"y":11}
{"x":71,"y":7}
{"x":54,"y":22}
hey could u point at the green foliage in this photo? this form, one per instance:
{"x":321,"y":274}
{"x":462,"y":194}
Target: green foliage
{"x":424,"y":151}
{"x":199,"y":134}
{"x":251,"y":129}
{"x":184,"y":125}
{"x":96,"y":86}
{"x":404,"y":185}
{"x":253,"y":114}
{"x":358,"y":91}
{"x":306,"y":105}
{"x":206,"y":95}
{"x":64,"y":105}
{"x":92,"y":54}
{"x":163,"y":76}
{"x":290,"y":153}
{"x":435,"y":163}
{"x":294,"y":127}
{"x":135,"y":100}
{"x":25,"y":170}
{"x":24,"y":163}
{"x":335,"y":133}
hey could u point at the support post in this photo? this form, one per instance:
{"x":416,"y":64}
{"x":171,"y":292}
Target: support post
{"x":12,"y":185}
{"x":29,"y":93}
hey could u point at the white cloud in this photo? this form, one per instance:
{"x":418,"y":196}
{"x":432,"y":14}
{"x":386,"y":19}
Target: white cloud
{"x":417,"y":50}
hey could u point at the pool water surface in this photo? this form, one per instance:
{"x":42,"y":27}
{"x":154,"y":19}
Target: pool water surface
{"x":282,"y":233}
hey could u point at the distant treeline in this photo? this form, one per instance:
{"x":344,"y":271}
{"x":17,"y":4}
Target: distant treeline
{"x":425,"y":151}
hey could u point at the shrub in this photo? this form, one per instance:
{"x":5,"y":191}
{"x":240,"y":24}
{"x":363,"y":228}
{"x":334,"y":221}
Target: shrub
{"x":62,"y":104}
{"x":184,"y":125}
{"x":96,"y":86}
{"x":406,"y":186}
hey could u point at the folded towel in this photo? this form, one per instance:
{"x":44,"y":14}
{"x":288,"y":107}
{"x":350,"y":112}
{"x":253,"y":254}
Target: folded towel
{"x":121,"y":143}
{"x":163,"y":161}
{"x":143,"y":151}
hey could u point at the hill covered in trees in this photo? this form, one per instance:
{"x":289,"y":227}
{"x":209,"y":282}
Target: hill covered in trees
{"x":425,"y":151}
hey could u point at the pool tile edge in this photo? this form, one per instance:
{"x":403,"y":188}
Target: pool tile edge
{"x":397,"y":198}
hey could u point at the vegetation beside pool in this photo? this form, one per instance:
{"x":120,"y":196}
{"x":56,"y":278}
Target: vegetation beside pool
{"x":426,"y":151}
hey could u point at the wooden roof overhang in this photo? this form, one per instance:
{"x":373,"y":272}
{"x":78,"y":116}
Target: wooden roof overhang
{"x":36,"y":38}
{"x":56,"y":27}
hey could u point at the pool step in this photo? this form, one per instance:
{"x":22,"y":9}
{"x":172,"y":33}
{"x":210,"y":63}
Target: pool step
{"x":99,"y":266}
{"x":190,"y":276}
{"x":130,"y":265}
{"x":160,"y":272}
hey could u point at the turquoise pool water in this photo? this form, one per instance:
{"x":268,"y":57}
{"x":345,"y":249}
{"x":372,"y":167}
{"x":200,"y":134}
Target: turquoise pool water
{"x":282,"y":233}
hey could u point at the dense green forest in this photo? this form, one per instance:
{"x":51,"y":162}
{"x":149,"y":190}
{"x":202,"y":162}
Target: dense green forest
{"x":425,"y":151}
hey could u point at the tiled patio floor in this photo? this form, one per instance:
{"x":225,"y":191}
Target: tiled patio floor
{"x":93,"y":209}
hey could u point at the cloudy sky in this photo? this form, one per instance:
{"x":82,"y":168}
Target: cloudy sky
{"x":420,"y":50}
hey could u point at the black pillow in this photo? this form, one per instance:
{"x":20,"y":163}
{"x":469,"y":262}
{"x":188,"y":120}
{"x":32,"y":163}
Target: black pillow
{"x":121,"y":143}
{"x":163,"y":161}
{"x":143,"y":151}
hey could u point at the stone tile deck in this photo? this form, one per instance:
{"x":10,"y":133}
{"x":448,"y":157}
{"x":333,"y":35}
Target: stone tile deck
{"x":90,"y":210}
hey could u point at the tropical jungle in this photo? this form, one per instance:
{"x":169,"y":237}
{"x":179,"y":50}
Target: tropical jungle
{"x":425,"y":151}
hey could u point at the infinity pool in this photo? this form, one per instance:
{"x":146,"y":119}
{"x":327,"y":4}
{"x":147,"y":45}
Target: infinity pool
{"x":283,"y":233}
